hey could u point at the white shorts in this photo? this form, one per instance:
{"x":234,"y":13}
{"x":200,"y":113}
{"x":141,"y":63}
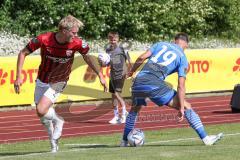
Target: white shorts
{"x":44,"y":89}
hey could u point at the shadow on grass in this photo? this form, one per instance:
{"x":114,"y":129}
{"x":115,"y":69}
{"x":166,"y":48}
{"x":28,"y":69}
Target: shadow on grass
{"x":78,"y":146}
{"x":20,"y":153}
{"x":171,"y":145}
{"x":87,"y":146}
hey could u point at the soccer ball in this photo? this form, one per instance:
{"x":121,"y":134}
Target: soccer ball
{"x":104,"y":59}
{"x":136,"y":137}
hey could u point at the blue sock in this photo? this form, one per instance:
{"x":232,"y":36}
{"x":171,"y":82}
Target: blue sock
{"x":195,"y":122}
{"x":129,"y":125}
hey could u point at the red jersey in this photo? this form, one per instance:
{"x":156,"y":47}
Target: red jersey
{"x":56,"y":58}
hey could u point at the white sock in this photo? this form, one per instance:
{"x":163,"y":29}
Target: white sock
{"x":47,"y":122}
{"x":55,"y":116}
{"x":56,"y":119}
{"x":115,"y":111}
{"x":49,"y":115}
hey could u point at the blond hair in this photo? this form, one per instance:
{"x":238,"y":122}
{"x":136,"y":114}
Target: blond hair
{"x":69,"y":22}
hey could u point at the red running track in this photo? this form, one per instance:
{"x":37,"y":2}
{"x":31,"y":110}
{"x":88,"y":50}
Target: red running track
{"x":83,"y":120}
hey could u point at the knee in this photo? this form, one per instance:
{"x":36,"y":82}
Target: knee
{"x":41,"y":111}
{"x":187,"y":105}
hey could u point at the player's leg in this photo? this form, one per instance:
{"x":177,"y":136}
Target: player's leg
{"x":195,"y":122}
{"x":52,"y":94}
{"x":142,"y":88}
{"x":191,"y":116}
{"x":138,"y":100}
{"x":119,"y":83}
{"x":130,"y":123}
{"x":116,"y":118}
{"x":123,"y":104}
{"x":115,"y":88}
{"x":169,"y":97}
{"x":40,"y":89}
{"x":47,"y":114}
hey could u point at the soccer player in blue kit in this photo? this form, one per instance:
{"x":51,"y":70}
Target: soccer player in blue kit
{"x":164,"y":59}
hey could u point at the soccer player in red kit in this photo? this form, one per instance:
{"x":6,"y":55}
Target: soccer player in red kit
{"x":57,"y":55}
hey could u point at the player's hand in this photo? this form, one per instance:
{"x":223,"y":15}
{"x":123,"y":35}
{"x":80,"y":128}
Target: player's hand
{"x":103,"y":82}
{"x":129,"y":75}
{"x":180,"y":115}
{"x":105,"y":88}
{"x":17,"y":83}
{"x":102,"y":64}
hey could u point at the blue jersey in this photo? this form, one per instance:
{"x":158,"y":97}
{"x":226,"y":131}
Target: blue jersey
{"x":166,"y":58}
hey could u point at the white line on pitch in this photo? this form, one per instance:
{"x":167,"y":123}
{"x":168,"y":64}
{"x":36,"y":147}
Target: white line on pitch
{"x":84,"y":149}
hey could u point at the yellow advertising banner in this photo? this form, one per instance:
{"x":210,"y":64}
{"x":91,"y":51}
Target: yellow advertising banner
{"x":209,"y":70}
{"x":82,"y":85}
{"x":212,"y":70}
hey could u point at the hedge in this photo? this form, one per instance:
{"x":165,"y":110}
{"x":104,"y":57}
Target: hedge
{"x":142,"y":20}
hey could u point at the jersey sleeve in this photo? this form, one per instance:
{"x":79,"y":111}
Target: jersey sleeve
{"x":35,"y":43}
{"x":83,"y":47}
{"x":183,"y":67}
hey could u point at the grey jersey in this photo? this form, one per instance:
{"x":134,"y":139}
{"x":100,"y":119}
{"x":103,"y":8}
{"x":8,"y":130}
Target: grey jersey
{"x":118,"y":62}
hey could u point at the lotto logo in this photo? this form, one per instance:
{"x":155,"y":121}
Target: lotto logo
{"x":198,"y":66}
{"x":8,"y":77}
{"x":3,"y":76}
{"x":236,"y":68}
{"x":91,"y":76}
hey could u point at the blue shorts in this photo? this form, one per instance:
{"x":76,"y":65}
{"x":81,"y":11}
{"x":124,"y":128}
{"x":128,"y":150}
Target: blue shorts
{"x":155,"y":89}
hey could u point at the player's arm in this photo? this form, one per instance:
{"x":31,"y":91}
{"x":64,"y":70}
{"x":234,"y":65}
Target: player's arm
{"x":139,"y":62}
{"x":181,"y":89}
{"x":181,"y":96}
{"x":90,"y":62}
{"x":92,"y":65}
{"x":33,"y":45}
{"x":20,"y":61}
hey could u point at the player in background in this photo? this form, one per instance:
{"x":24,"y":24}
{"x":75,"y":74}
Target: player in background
{"x":164,"y":59}
{"x":57,"y":51}
{"x":118,"y":72}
